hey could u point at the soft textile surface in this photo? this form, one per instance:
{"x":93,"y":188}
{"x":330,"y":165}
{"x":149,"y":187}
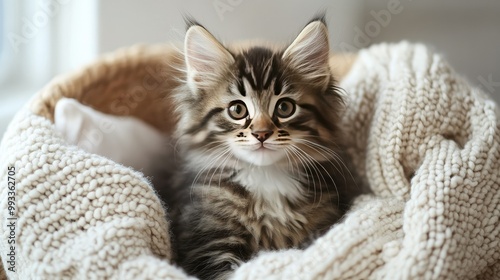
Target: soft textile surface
{"x":123,"y":139}
{"x":426,"y":141}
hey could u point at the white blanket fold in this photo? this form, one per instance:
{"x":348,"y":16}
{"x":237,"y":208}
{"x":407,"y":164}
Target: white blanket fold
{"x":426,"y":141}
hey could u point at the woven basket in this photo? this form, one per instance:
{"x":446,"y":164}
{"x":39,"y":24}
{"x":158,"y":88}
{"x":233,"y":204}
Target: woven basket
{"x":132,"y":81}
{"x":136,"y":82}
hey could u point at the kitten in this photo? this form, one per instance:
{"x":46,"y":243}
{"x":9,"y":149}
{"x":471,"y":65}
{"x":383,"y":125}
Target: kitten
{"x":258,"y":132}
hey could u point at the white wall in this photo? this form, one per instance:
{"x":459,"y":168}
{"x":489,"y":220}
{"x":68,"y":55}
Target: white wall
{"x":466,"y":32}
{"x":40,"y":39}
{"x":128,"y":22}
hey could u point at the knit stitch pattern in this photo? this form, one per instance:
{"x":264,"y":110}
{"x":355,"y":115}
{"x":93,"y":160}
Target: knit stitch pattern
{"x":426,"y":141}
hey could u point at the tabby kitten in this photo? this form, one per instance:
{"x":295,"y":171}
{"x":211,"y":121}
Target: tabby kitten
{"x":257,"y":131}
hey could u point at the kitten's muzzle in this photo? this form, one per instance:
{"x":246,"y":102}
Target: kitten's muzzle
{"x":262,"y":135}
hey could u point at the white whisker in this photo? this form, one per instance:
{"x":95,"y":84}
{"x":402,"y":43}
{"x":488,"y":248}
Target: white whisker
{"x":335,"y":156}
{"x":311,"y":162}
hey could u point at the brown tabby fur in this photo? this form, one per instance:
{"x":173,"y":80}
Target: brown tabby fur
{"x":229,"y":208}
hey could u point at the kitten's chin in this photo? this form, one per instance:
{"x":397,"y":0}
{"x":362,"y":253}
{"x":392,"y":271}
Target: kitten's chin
{"x":259,"y":157}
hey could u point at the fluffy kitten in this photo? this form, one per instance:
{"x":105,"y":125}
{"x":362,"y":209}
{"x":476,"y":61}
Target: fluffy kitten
{"x":258,"y":133}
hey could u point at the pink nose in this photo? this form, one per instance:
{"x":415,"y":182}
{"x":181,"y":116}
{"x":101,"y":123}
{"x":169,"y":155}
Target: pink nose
{"x":262,"y":135}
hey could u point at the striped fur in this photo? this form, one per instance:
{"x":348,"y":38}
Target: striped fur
{"x":266,"y":173}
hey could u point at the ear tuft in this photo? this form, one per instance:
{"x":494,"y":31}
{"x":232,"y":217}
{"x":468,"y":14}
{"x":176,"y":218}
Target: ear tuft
{"x":206,"y":59}
{"x":310,"y":51}
{"x":320,"y":16}
{"x":191,"y":21}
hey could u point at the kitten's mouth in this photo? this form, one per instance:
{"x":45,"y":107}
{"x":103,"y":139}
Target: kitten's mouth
{"x":263,"y":147}
{"x":260,"y":154}
{"x":258,"y":147}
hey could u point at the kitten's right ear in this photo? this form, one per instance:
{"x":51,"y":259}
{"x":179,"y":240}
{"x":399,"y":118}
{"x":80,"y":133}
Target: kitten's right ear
{"x":207,"y":60}
{"x":309,"y":53}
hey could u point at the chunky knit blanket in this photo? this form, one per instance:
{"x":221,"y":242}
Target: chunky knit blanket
{"x":427,"y":143}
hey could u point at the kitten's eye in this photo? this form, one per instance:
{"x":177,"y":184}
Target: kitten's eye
{"x":285,"y":108}
{"x":237,"y":110}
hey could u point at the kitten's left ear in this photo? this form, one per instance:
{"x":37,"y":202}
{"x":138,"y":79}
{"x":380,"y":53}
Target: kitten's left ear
{"x":309,"y":53}
{"x":207,"y":60}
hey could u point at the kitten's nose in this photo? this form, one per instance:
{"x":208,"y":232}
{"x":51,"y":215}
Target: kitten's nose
{"x":262,"y":135}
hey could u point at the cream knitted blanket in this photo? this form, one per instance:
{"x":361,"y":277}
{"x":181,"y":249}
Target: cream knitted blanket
{"x":426,"y":141}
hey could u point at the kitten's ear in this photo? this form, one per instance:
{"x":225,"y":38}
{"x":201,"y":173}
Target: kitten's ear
{"x":309,"y":53}
{"x":206,"y":59}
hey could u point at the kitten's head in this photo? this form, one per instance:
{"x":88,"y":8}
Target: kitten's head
{"x":258,"y":105}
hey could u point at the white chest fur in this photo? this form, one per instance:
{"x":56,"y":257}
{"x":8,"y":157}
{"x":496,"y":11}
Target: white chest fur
{"x":270,"y":184}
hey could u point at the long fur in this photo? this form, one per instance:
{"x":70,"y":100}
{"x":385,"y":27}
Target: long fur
{"x":240,"y":193}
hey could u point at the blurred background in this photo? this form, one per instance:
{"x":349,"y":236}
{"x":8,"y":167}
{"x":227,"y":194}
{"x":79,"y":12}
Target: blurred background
{"x":40,"y":39}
